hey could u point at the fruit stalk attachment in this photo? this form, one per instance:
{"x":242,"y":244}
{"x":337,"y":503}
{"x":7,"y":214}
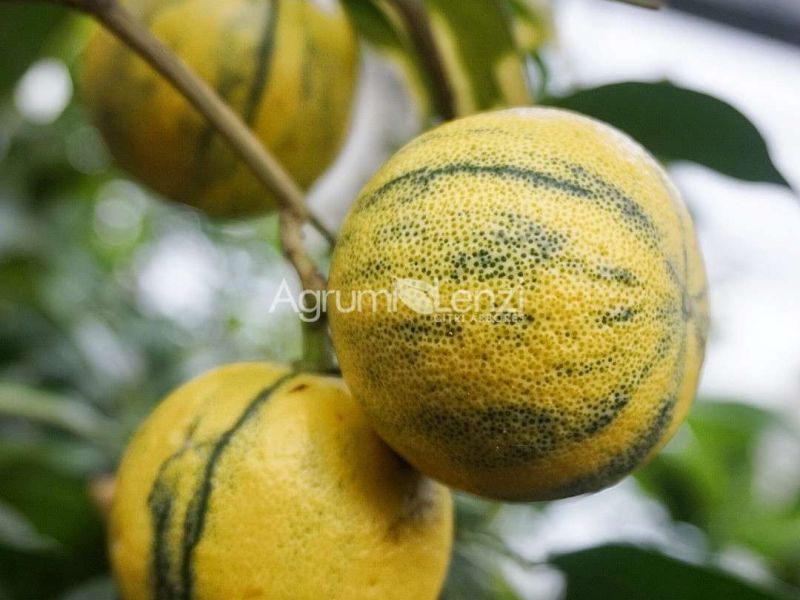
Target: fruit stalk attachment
{"x":317,"y":352}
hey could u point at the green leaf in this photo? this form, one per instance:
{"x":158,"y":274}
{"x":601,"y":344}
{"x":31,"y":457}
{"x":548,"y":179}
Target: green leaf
{"x":707,"y":477}
{"x":485,"y":67}
{"x":678,"y":124}
{"x":98,"y":588}
{"x":17,"y":533}
{"x":71,"y":457}
{"x":532,"y":23}
{"x":374,"y":25}
{"x":56,"y":506}
{"x":380,"y":27}
{"x":478,"y":554}
{"x":484,"y":64}
{"x":618,"y":571}
{"x":475,"y":573}
{"x":24,"y":29}
{"x":50,"y":409}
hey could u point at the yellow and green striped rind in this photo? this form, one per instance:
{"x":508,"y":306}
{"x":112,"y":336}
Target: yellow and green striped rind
{"x":255,"y":482}
{"x":601,"y":363}
{"x":287,"y":67}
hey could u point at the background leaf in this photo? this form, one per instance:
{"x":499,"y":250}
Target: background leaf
{"x":709,"y":477}
{"x":478,"y":554}
{"x":532,"y":23}
{"x":714,"y":456}
{"x":632,"y":573}
{"x":71,"y":415}
{"x":374,"y":24}
{"x":476,"y":40}
{"x":17,"y":533}
{"x":24,"y":29}
{"x":677,"y":124}
{"x":98,"y":588}
{"x":480,"y":54}
{"x":57,"y":506}
{"x":380,"y":28}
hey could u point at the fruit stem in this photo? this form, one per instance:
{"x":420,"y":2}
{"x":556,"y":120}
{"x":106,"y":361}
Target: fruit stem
{"x":317,"y":349}
{"x":291,"y":232}
{"x":417,"y":22}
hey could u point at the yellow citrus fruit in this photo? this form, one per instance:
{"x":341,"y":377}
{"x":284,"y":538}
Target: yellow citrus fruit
{"x":255,"y":482}
{"x":287,"y":67}
{"x":576,"y":297}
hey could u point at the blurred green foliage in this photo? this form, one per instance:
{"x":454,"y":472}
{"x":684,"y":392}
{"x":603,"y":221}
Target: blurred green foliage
{"x":724,"y":477}
{"x":637,"y":574}
{"x":25,"y":34}
{"x":88,"y":344}
{"x":483,"y":60}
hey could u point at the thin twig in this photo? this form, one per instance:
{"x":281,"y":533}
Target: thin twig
{"x":322,"y":229}
{"x":417,"y":23}
{"x":293,"y":249}
{"x":317,"y":353}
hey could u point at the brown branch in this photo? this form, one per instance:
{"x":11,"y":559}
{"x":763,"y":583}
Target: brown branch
{"x":417,"y":23}
{"x":322,"y":229}
{"x":317,"y":353}
{"x":292,"y":242}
